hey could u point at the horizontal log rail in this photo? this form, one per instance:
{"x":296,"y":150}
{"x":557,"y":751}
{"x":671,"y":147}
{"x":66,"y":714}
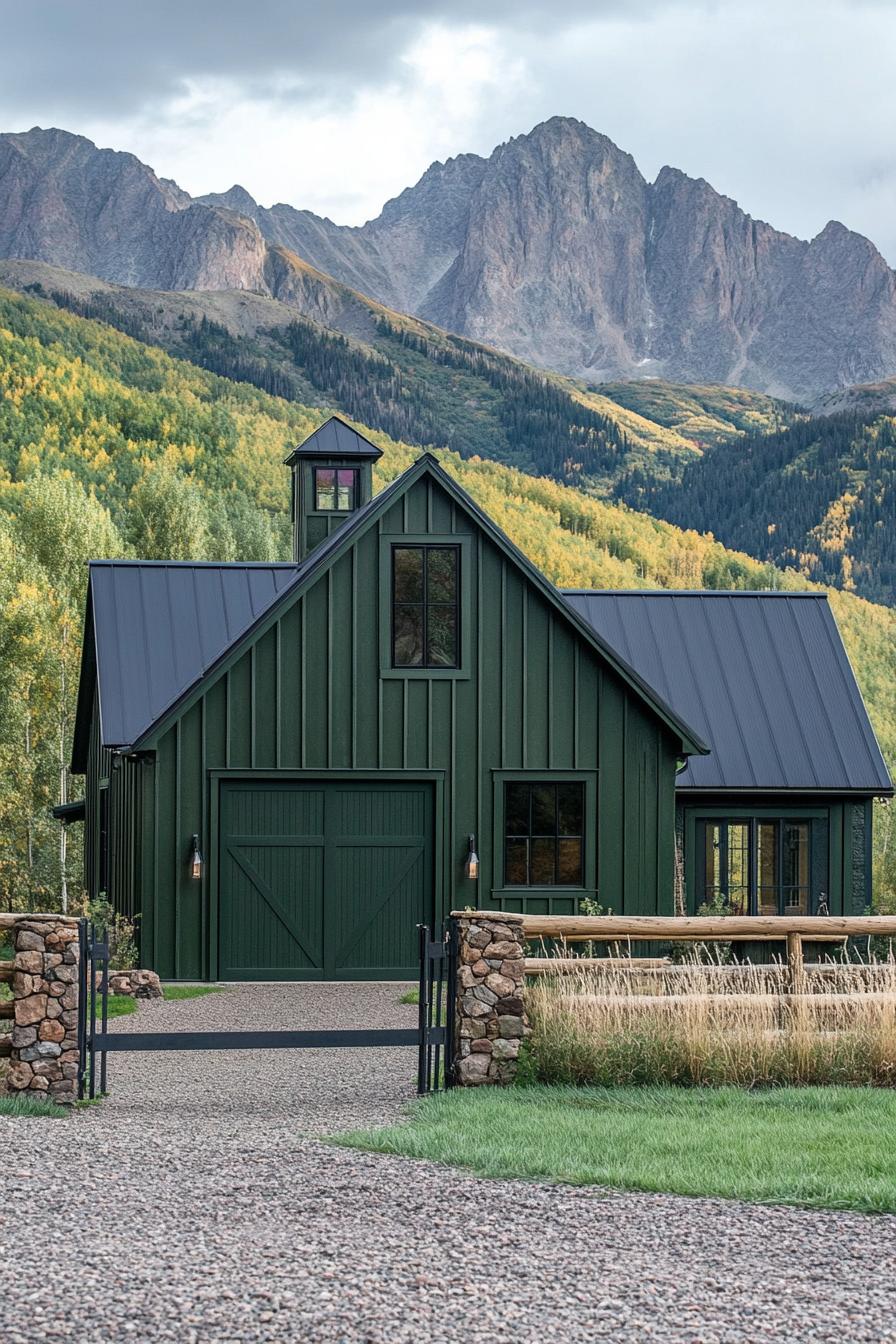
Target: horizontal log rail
{"x":5,"y":1047}
{"x":10,"y":920}
{"x":7,"y":970}
{"x":7,"y":1008}
{"x":729,"y":928}
{"x":566,"y":965}
{"x":665,"y":969}
{"x":668,"y":1001}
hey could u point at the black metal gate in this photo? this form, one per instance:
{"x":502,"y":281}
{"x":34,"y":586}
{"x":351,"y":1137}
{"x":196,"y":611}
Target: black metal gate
{"x":431,"y":1036}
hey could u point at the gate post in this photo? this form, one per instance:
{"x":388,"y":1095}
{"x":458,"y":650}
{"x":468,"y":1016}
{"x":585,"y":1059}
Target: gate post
{"x":45,"y":1048}
{"x":490,"y":1022}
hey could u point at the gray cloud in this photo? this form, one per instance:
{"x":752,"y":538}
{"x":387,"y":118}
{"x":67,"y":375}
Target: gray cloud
{"x":124,"y":54}
{"x":788,"y":105}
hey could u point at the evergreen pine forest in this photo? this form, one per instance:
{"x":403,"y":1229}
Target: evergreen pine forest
{"x":110,"y":446}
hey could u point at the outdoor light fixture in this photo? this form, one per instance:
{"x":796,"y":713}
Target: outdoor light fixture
{"x":195,"y":859}
{"x":471,"y":867}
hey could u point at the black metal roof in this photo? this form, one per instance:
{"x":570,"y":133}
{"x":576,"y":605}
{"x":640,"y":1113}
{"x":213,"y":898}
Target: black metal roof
{"x":69,"y":812}
{"x":335,"y":438}
{"x":763,"y":677}
{"x":160,"y":625}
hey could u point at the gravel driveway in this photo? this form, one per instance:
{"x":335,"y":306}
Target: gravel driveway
{"x":200,"y":1208}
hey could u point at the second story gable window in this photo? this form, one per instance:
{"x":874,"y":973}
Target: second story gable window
{"x":335,"y":489}
{"x":425,"y":601}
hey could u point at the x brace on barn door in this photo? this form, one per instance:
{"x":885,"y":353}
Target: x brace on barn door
{"x":431,"y":1036}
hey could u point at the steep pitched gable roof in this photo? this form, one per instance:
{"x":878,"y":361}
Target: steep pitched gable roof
{"x":764,"y":677}
{"x":131,"y":708}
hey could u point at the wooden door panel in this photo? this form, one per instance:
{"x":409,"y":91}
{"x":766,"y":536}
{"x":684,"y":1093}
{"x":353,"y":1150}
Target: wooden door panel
{"x":324,"y":881}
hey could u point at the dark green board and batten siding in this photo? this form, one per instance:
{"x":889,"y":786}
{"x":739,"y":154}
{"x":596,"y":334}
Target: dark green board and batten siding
{"x":306,"y":702}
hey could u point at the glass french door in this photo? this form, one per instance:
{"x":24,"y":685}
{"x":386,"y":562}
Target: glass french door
{"x":756,"y":866}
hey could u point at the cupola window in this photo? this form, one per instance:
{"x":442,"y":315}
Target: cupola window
{"x":335,"y":489}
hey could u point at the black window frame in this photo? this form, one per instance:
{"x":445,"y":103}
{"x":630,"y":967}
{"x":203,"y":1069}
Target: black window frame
{"x":424,"y":606}
{"x":556,"y":836}
{"x":356,"y":485}
{"x":753,"y":824}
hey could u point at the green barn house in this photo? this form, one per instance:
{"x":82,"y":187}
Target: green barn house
{"x":288,"y":766}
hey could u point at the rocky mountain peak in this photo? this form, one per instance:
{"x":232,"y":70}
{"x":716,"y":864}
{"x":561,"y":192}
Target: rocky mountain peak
{"x":554,"y":248}
{"x":236,"y":199}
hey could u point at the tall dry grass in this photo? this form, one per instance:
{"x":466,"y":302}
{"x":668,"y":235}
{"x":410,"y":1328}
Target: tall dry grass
{"x":697,"y":1024}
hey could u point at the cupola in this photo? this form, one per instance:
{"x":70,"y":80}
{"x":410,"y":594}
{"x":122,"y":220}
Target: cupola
{"x":332,"y":476}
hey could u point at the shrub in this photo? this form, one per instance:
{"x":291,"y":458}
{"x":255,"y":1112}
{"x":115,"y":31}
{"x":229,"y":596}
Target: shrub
{"x":698,"y":1024}
{"x":120,"y":931}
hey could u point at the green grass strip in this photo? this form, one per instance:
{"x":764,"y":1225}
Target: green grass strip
{"x":190,"y":991}
{"x":815,"y":1147}
{"x":30,"y":1104}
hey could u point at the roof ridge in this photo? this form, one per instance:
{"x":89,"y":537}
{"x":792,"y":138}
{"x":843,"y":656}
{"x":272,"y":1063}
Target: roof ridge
{"x":694,"y":592}
{"x":194,"y":564}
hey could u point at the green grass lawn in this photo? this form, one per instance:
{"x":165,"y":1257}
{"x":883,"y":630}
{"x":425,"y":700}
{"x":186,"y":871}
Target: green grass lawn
{"x":120,"y":1005}
{"x":410,"y":996}
{"x":190,"y":991}
{"x":824,"y":1147}
{"x":30,"y":1103}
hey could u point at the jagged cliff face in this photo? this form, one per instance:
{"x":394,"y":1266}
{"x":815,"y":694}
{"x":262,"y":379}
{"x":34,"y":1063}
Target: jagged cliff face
{"x":555,"y":248}
{"x":551,"y":265}
{"x":66,"y":202}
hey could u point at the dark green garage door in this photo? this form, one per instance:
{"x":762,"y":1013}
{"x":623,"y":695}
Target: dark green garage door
{"x":323,"y":881}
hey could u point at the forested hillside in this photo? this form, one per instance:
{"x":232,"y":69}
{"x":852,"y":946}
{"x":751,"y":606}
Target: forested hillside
{"x":705,"y":414}
{"x":818,"y":497}
{"x":394,"y":373}
{"x":111,"y":447}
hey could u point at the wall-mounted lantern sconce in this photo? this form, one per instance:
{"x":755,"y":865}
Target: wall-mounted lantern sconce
{"x":471,"y":867}
{"x":195,"y":859}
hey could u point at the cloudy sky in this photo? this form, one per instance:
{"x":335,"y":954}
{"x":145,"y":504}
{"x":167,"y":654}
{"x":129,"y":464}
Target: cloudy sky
{"x":787,"y":105}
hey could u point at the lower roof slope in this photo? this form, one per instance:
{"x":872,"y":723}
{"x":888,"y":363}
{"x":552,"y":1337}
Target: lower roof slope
{"x":763,"y":677}
{"x":159,"y":625}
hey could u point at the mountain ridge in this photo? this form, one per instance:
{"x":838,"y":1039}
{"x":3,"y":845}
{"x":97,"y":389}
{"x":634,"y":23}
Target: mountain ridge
{"x":554,"y":248}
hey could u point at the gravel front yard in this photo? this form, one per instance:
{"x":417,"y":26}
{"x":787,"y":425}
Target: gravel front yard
{"x":201,"y":1208}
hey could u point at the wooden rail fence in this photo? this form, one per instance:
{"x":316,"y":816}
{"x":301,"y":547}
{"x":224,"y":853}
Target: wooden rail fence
{"x":787,"y":929}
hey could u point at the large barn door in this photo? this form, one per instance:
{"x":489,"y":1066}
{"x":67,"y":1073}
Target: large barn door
{"x":323,"y":880}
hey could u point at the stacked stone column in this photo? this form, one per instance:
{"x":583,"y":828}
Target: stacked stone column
{"x":44,"y":1056}
{"x":491,"y":1022}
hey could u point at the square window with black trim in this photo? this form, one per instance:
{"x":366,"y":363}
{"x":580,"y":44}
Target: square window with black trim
{"x":544,"y":843}
{"x":335,"y":489}
{"x":425,"y":606}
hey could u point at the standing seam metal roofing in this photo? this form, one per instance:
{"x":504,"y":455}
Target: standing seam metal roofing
{"x":160,"y":625}
{"x":764,"y":678}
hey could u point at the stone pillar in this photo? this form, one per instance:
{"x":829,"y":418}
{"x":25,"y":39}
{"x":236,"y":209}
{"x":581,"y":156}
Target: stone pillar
{"x":491,"y":1023}
{"x":44,"y":1057}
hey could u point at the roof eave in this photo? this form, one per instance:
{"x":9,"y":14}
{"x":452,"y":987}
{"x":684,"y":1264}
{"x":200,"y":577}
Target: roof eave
{"x":88,"y":682}
{"x":787,"y":790}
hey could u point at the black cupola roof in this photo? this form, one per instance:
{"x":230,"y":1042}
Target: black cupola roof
{"x":335,"y":438}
